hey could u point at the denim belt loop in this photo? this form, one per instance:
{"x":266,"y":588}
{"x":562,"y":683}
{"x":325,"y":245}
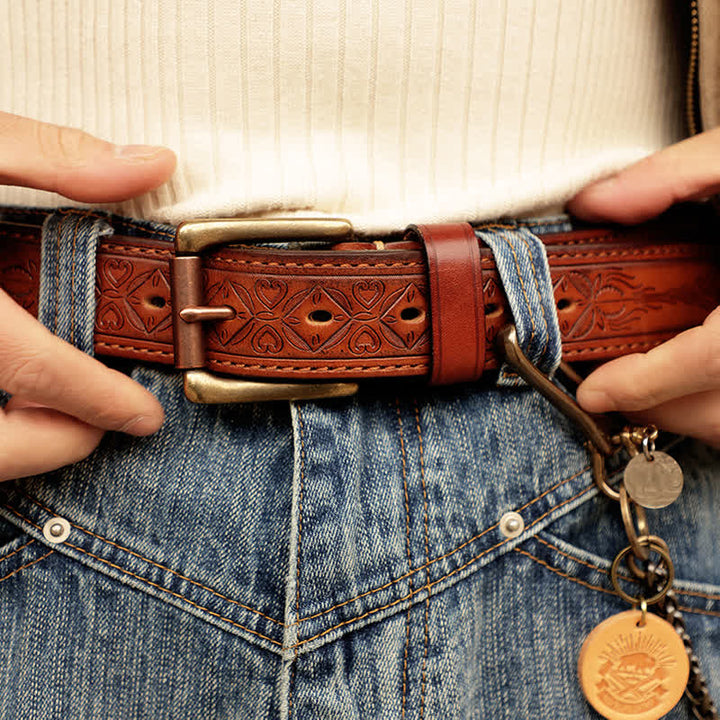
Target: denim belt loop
{"x":525,"y":274}
{"x":67,"y":280}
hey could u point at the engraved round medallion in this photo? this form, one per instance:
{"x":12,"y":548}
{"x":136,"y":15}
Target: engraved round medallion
{"x":654,"y":483}
{"x":633,"y":672}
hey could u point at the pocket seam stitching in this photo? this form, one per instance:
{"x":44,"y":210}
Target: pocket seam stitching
{"x":561,"y":573}
{"x":346,"y":602}
{"x":369,"y":592}
{"x":145,"y":559}
{"x":27,"y":565}
{"x":17,"y":550}
{"x":151,"y":583}
{"x":604,"y":571}
{"x":441,"y":578}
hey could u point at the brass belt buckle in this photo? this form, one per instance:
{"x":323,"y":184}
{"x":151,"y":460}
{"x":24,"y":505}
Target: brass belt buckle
{"x":189,"y":313}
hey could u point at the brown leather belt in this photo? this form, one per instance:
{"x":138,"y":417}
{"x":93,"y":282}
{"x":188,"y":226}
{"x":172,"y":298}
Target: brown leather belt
{"x":360,"y":309}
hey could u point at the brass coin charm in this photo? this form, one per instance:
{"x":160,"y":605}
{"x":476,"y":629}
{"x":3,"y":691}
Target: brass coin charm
{"x":654,"y":483}
{"x":633,"y":671}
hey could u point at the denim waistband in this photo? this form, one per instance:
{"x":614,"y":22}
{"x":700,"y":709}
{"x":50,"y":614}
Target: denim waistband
{"x":523,"y":267}
{"x":66,"y":303}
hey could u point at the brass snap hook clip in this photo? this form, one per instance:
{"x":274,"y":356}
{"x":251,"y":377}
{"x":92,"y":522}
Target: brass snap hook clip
{"x":598,"y":442}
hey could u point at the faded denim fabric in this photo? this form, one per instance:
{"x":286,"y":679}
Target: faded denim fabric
{"x":67,"y":290}
{"x":523,"y":267}
{"x":327,"y":560}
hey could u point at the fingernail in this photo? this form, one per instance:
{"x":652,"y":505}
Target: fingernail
{"x":138,"y":152}
{"x":140,"y":425}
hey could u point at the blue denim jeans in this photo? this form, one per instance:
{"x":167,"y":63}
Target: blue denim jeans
{"x":339,"y":559}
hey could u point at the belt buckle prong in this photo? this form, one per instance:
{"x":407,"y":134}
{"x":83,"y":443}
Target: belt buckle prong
{"x":189,"y":312}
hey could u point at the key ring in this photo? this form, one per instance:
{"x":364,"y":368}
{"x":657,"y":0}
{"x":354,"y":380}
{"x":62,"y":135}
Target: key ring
{"x":657,"y":545}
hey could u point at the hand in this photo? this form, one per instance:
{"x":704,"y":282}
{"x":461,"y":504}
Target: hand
{"x":676,"y":385}
{"x":63,"y":400}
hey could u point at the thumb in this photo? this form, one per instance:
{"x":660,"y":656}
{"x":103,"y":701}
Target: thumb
{"x":77,"y":165}
{"x":688,"y":170}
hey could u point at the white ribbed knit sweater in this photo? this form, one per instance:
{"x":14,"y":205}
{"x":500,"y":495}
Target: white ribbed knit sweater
{"x":383,"y":111}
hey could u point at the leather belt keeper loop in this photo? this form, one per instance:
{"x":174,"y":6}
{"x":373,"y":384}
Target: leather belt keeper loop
{"x":456,"y":301}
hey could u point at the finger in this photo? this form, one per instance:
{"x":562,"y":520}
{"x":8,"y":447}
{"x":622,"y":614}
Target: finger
{"x":688,"y":170}
{"x":687,"y":364}
{"x":77,"y":165}
{"x":695,"y":415}
{"x":17,"y":403}
{"x":39,"y":367}
{"x":38,"y":440}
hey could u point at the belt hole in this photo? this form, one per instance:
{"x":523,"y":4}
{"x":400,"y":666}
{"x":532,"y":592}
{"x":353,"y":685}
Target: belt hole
{"x":157,"y":301}
{"x":411,"y":313}
{"x":492,"y":309}
{"x":320,"y":316}
{"x":564,"y":304}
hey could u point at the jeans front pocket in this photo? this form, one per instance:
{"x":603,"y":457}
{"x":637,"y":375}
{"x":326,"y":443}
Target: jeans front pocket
{"x":578,"y":550}
{"x":19,"y":551}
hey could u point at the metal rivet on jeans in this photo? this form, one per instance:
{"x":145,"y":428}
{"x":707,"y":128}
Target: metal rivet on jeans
{"x":56,"y":530}
{"x":511,"y":524}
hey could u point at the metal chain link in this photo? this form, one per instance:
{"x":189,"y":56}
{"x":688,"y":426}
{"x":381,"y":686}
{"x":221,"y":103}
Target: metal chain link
{"x":697,"y":692}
